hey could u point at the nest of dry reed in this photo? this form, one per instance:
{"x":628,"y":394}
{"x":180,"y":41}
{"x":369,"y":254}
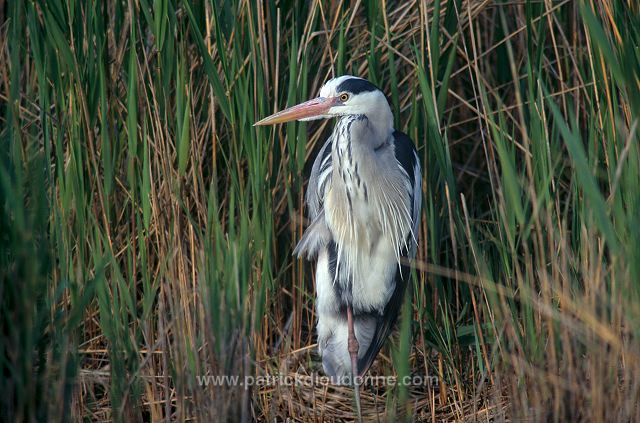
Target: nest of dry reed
{"x":293,"y":388}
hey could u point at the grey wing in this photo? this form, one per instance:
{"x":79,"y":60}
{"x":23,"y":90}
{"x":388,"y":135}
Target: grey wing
{"x":317,"y":234}
{"x":320,"y":176}
{"x":416,"y":206}
{"x":409,"y":163}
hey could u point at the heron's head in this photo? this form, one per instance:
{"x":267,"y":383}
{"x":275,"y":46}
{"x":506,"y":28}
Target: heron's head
{"x":342,"y":96}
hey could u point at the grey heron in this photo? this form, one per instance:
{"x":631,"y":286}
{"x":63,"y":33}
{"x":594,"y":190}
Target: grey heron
{"x":364,"y":201}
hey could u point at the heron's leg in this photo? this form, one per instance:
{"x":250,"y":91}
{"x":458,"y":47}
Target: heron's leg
{"x":352,"y":343}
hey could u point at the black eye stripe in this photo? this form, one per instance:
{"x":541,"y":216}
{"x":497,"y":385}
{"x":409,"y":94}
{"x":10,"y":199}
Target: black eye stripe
{"x":356,"y":86}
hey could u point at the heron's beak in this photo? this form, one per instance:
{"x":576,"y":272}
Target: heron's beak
{"x":308,"y":110}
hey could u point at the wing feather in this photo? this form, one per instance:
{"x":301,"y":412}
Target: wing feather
{"x":317,"y":234}
{"x":320,"y":175}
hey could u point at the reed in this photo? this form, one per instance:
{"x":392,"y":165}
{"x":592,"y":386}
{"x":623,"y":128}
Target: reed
{"x":147,"y":226}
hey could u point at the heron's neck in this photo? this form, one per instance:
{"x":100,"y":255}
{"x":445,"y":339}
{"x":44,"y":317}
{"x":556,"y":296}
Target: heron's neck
{"x":381,"y":123}
{"x":371,"y":130}
{"x":356,"y":143}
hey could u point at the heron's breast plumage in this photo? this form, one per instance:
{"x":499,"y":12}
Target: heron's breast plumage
{"x":366,"y":209}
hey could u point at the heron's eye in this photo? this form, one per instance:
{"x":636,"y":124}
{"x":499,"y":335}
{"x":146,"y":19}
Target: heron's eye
{"x":344,"y":97}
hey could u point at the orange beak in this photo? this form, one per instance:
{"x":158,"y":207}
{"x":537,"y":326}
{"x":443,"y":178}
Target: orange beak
{"x":308,"y":110}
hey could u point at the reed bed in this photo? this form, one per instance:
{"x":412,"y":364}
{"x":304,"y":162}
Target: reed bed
{"x":147,"y":228}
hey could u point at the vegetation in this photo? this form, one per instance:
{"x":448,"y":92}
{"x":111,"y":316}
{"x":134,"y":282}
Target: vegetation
{"x":146,"y":227}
